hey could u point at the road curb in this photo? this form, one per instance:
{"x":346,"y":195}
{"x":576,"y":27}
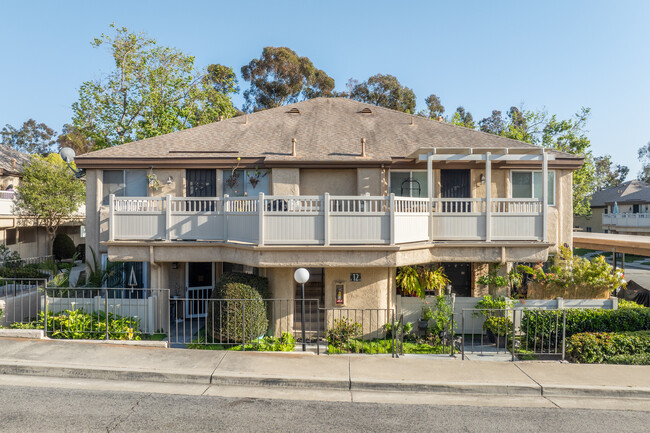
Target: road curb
{"x":595,"y":391}
{"x":32,"y":334}
{"x":279,"y":382}
{"x":104,"y":374}
{"x":449,"y":388}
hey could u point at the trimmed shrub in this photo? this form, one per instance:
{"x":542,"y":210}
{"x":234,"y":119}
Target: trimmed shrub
{"x":612,"y":347}
{"x":241,"y":320}
{"x":543,"y":324}
{"x":63,"y":247}
{"x":343,"y":333}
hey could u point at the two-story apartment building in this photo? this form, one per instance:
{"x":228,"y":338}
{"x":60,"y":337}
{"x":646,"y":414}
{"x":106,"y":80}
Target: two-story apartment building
{"x":623,"y":209}
{"x":349,"y":190}
{"x":18,"y":233}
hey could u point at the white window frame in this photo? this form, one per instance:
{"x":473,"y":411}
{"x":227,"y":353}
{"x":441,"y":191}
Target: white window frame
{"x":532,"y":184}
{"x":410,"y":172}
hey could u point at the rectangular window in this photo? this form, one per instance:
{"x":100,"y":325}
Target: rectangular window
{"x":124,"y":183}
{"x":409,"y":183}
{"x":249,"y":183}
{"x":528,"y":184}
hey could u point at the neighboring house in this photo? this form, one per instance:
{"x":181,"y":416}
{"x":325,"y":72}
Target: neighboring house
{"x":632,"y":213}
{"x":349,"y":190}
{"x":19,"y":233}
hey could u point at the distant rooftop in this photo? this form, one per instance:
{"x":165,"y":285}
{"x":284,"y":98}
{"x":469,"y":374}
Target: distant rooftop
{"x":632,"y":191}
{"x":12,"y":161}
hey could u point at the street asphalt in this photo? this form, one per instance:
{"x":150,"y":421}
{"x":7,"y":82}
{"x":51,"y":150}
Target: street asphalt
{"x":45,"y":409}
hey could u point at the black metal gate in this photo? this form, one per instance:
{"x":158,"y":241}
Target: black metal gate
{"x":201,"y":183}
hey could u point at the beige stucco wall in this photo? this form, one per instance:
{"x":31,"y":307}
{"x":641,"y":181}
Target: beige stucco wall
{"x":498,"y":188}
{"x":369,"y":181}
{"x":375,"y":290}
{"x":285,"y":181}
{"x":594,"y":221}
{"x":176,"y":188}
{"x":336,"y":182}
{"x":93,"y":205}
{"x":7,"y":180}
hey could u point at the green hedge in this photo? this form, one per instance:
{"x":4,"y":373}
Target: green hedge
{"x":610,"y":347}
{"x":541,"y":324}
{"x":243,"y":320}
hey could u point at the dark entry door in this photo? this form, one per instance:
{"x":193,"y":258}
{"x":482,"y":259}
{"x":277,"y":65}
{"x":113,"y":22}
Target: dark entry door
{"x":460,"y":277}
{"x":201,"y":183}
{"x":635,"y":208}
{"x":455,"y":184}
{"x":314,"y":290}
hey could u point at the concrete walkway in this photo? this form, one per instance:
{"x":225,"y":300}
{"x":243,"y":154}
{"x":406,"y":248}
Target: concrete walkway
{"x":64,"y":359}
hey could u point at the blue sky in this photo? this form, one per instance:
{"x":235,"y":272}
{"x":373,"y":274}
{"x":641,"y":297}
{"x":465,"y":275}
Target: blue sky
{"x":557,"y":55}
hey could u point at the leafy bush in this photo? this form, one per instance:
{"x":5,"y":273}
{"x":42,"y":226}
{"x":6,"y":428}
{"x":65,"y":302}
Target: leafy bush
{"x":575,"y":277}
{"x":544,"y":324}
{"x":623,"y":303}
{"x":63,"y":247}
{"x":405,"y":329}
{"x":500,"y":326}
{"x":442,"y":315}
{"x":490,"y":303}
{"x":77,"y":324}
{"x":417,"y":280}
{"x":17,"y":270}
{"x":343,"y":333}
{"x":242,"y":320}
{"x":599,"y":347}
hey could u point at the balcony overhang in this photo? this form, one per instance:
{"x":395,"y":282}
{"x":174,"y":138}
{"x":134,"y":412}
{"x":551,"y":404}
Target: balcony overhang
{"x":321,"y":256}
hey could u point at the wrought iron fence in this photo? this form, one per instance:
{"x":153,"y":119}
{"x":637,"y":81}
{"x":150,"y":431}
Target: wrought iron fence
{"x":519,"y":333}
{"x":362,"y":330}
{"x":20,"y":299}
{"x":244,"y":324}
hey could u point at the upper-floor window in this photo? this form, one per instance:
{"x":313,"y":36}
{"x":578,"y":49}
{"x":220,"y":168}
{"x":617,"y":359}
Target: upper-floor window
{"x":124,"y":183}
{"x":528,"y":184}
{"x":240,"y":183}
{"x":409,"y":183}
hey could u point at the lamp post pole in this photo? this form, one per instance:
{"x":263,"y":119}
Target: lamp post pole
{"x":302,"y":314}
{"x":302,"y":276}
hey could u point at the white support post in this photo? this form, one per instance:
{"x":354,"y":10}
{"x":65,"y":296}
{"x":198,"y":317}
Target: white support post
{"x":168,"y":217}
{"x":326,"y":219}
{"x":392,"y":218}
{"x":488,"y":197}
{"x":260,"y":216}
{"x":430,"y":195}
{"x":225,"y":218}
{"x":545,"y":195}
{"x":111,"y":217}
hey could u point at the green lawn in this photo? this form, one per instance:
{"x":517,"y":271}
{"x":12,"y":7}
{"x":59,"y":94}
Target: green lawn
{"x":582,"y":251}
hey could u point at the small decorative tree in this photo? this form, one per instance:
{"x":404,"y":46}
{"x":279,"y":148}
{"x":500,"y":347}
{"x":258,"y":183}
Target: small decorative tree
{"x":49,"y":193}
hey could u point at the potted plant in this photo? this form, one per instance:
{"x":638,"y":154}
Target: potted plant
{"x":153,"y":181}
{"x":233,"y":180}
{"x":254,"y":178}
{"x":425,"y":316}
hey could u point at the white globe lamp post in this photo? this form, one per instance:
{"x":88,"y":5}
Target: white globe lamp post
{"x":302,"y":276}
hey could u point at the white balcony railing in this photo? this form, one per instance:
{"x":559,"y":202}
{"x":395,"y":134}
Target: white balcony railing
{"x":324,"y":220}
{"x":627,"y":219}
{"x":6,"y":202}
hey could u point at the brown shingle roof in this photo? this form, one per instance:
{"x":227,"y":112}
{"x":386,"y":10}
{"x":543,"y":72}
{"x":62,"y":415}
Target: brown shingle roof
{"x":325,"y":129}
{"x":7,"y":158}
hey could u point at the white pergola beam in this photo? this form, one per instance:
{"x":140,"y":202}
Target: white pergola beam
{"x":449,"y":157}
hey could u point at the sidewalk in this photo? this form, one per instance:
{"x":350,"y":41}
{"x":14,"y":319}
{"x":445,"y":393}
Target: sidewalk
{"x":66,"y":359}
